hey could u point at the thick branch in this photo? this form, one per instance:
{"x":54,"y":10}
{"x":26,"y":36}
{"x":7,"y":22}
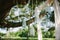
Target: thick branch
{"x":11,"y":24}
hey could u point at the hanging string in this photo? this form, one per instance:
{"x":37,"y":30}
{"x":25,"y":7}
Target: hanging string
{"x":32,"y":7}
{"x":17,"y":4}
{"x":24,"y":22}
{"x":14,"y":1}
{"x":27,"y":4}
{"x":36,"y":3}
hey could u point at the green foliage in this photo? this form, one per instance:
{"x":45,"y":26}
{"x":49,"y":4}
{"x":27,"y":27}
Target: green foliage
{"x":49,"y":34}
{"x":52,"y":17}
{"x":24,"y":33}
{"x":2,"y":34}
{"x":20,"y":33}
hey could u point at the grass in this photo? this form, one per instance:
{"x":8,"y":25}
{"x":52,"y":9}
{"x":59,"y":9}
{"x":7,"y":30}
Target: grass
{"x":48,"y":38}
{"x":24,"y":38}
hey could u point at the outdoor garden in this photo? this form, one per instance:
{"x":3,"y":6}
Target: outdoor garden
{"x":29,"y":20}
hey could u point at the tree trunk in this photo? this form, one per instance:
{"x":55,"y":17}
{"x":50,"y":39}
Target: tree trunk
{"x":37,"y":12}
{"x":57,"y":19}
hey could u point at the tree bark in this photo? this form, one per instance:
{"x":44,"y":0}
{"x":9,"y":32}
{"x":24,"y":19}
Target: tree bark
{"x":6,"y":5}
{"x":57,"y":19}
{"x":37,"y":19}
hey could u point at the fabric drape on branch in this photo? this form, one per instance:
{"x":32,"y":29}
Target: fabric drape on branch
{"x":5,"y":8}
